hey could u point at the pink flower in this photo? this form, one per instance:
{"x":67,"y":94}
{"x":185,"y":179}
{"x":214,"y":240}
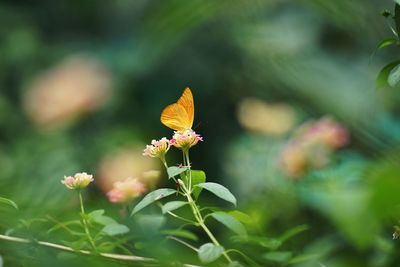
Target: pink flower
{"x":186,"y":139}
{"x":78,"y":181}
{"x":126,"y":190}
{"x":157,"y":149}
{"x":312,"y":146}
{"x":326,"y":131}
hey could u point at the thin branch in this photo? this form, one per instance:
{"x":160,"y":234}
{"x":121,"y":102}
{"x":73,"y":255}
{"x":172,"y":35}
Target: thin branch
{"x":183,"y":243}
{"x":83,"y":252}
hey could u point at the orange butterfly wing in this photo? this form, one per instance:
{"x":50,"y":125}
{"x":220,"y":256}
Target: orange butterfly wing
{"x":179,"y":116}
{"x":186,"y":100}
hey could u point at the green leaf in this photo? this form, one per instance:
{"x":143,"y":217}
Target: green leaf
{"x":394,"y":76}
{"x":115,"y":229}
{"x":384,"y":43}
{"x":269,"y":243}
{"x":241,"y":216}
{"x":230,"y":222}
{"x":106,"y":246}
{"x":63,"y":256}
{"x":150,"y":223}
{"x":198,"y":177}
{"x":302,"y":258}
{"x":293,"y":232}
{"x":180,"y":233}
{"x":175,"y":171}
{"x":63,"y":225}
{"x":152,"y":197}
{"x":98,"y":217}
{"x":278,"y":256}
{"x":173,"y":205}
{"x":235,"y":264}
{"x":8,"y":202}
{"x":209,"y":252}
{"x":382,"y":79}
{"x":219,"y":190}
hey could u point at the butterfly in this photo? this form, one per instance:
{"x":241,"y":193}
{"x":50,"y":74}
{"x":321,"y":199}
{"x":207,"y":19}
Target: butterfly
{"x":180,"y":115}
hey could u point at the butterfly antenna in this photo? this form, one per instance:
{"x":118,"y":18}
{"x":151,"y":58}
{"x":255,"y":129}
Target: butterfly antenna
{"x":196,"y":126}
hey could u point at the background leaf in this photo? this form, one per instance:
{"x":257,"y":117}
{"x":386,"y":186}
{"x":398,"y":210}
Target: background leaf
{"x":180,"y":233}
{"x":382,"y":78}
{"x":278,"y":256}
{"x":230,"y":222}
{"x":394,"y":76}
{"x":98,"y":217}
{"x":115,"y":229}
{"x":8,"y":202}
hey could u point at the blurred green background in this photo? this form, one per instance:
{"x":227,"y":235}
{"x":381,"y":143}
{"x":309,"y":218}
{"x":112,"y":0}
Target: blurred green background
{"x":83,"y":83}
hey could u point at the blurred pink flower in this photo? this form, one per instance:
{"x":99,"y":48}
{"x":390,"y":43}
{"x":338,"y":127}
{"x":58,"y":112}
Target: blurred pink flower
{"x":76,"y":86}
{"x":127,"y":161}
{"x":157,"y":149}
{"x":78,"y":181}
{"x":186,"y":139}
{"x":325,"y":130}
{"x":125,"y":191}
{"x":312,"y":146}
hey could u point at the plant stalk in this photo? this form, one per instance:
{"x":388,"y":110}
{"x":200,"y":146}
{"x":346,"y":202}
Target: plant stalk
{"x":85,"y":224}
{"x":83,"y":252}
{"x":200,"y":220}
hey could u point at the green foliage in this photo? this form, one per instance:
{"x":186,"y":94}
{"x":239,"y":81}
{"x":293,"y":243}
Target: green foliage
{"x":253,"y":49}
{"x":152,"y":197}
{"x":394,"y":76}
{"x":197,"y":177}
{"x":278,"y":256}
{"x":382,"y":80}
{"x":230,"y":222}
{"x":98,"y":216}
{"x":115,"y":229}
{"x":9,"y":202}
{"x":181,"y":233}
{"x":173,"y":205}
{"x":218,"y":190}
{"x":209,"y":252}
{"x":175,"y":171}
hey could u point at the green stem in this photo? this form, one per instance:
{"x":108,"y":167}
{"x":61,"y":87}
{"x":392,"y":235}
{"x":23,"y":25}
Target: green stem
{"x":166,"y":168}
{"x":245,"y":257}
{"x":120,"y":257}
{"x":85,"y":224}
{"x":186,"y":152}
{"x":200,"y":220}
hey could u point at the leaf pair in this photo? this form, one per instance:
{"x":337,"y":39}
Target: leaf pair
{"x":217,"y":189}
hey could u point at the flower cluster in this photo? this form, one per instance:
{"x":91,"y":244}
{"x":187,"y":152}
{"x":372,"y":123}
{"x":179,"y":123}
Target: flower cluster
{"x":127,"y":190}
{"x":186,"y":139}
{"x":78,"y":181}
{"x":312,"y":146}
{"x":183,"y":140}
{"x":157,"y":149}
